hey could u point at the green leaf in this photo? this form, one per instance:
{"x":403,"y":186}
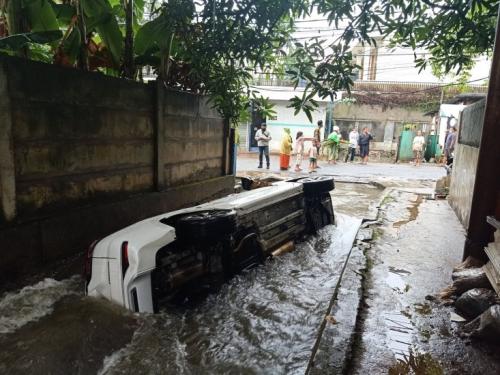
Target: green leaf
{"x":153,"y":33}
{"x":71,"y":45}
{"x":41,"y":15}
{"x":18,"y":41}
{"x":106,"y":24}
{"x":64,"y":12}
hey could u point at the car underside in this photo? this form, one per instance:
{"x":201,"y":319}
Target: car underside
{"x":215,"y":241}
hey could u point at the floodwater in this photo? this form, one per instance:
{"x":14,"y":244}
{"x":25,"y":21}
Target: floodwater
{"x":262,"y":321}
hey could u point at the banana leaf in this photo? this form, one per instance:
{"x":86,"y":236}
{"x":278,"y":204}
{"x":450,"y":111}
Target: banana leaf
{"x":18,"y":41}
{"x":103,"y":19}
{"x":64,"y":12}
{"x":155,"y":33}
{"x":41,"y":15}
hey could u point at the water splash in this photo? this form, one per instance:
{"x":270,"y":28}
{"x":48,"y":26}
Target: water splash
{"x":33,"y":302}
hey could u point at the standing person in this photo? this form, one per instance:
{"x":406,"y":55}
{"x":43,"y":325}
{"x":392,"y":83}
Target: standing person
{"x":333,"y":145}
{"x":418,"y":147}
{"x":353,"y":144}
{"x":364,"y":145}
{"x":449,"y":146}
{"x":317,"y":135}
{"x":263,"y":137}
{"x":299,"y":149}
{"x":285,"y":150}
{"x":313,"y":156}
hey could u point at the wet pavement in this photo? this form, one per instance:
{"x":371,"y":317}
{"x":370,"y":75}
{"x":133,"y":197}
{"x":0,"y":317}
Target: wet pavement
{"x":385,"y":171}
{"x":417,"y":245}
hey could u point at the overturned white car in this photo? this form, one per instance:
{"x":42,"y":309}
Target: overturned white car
{"x":147,"y":263}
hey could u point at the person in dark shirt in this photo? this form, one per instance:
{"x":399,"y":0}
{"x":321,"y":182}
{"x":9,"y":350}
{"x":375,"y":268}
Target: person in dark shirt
{"x":364,"y":145}
{"x":449,"y":145}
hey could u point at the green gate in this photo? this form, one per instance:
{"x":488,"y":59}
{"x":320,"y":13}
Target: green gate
{"x":431,"y":147}
{"x":405,"y":145}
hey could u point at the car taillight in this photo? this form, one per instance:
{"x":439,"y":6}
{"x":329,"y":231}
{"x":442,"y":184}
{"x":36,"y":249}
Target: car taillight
{"x":125,"y":262}
{"x":88,"y":261}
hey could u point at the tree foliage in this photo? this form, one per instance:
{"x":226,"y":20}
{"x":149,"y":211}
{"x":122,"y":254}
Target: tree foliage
{"x":454,"y":32}
{"x":214,"y":46}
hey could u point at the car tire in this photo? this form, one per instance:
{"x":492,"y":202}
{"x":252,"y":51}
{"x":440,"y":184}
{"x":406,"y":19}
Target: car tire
{"x":203,"y":225}
{"x":317,"y":184}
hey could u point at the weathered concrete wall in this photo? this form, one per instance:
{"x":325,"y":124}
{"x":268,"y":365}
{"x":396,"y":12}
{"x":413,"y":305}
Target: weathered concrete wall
{"x":77,"y":137}
{"x":465,"y":161}
{"x":385,"y":123}
{"x":83,"y":154}
{"x":462,"y":181}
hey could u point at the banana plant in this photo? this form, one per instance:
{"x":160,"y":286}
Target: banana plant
{"x":68,"y":28}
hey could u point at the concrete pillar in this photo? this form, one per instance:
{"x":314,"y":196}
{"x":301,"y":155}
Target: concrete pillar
{"x":159,"y":131}
{"x":7,"y":169}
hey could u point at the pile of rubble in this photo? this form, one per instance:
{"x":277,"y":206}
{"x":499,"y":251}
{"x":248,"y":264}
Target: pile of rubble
{"x":475,"y":294}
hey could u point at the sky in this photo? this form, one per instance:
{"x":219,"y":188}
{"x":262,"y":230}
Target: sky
{"x":393,"y":64}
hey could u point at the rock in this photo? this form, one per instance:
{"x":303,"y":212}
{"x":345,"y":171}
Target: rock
{"x":470,"y":262}
{"x":487,"y":325}
{"x":475,"y":301}
{"x":469,"y":278}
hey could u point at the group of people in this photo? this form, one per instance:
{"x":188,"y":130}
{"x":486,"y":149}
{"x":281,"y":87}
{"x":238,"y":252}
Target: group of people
{"x":418,"y":146}
{"x":331,"y":146}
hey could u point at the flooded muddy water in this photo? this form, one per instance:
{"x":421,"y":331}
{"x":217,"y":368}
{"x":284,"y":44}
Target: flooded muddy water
{"x":262,"y":321}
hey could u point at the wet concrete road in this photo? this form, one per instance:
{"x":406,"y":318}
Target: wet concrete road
{"x":417,"y":246}
{"x":385,"y":171}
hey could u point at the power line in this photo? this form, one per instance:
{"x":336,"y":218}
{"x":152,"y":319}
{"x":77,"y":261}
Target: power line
{"x":271,"y":88}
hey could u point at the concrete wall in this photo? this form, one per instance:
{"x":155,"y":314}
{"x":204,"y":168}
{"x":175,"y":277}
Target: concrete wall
{"x":462,"y":181}
{"x":384,"y":123}
{"x":83,"y":154}
{"x":465,"y":160}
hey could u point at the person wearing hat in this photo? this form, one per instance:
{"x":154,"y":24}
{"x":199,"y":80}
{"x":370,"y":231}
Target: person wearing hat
{"x":285,"y":149}
{"x":333,"y":144}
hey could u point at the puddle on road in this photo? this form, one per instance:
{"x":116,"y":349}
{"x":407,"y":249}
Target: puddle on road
{"x":413,"y":210}
{"x":355,"y":199}
{"x":262,"y":321}
{"x":400,"y":332}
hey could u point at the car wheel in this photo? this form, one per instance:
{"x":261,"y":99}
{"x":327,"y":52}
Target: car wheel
{"x":202,"y":225}
{"x":317,"y":185}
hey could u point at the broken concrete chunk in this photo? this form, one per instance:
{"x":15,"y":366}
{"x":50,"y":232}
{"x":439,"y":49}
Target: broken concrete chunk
{"x":475,"y":301}
{"x":469,"y":279}
{"x":454,"y":317}
{"x":365,"y":234}
{"x":489,"y":325}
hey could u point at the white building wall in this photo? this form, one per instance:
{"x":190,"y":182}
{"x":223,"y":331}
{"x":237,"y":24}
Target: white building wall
{"x":285,"y":118}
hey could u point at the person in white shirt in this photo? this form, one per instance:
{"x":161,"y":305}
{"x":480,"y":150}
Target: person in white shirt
{"x":353,"y":145}
{"x":418,"y":147}
{"x":263,"y":137}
